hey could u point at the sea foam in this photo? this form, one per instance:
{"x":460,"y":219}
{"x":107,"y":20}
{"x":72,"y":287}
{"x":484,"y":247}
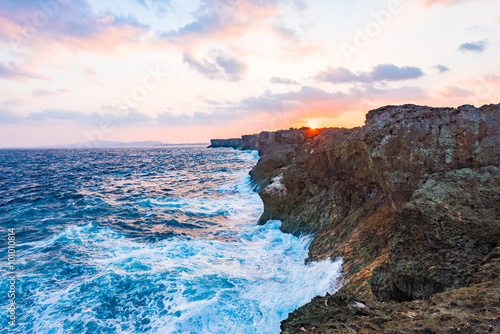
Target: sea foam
{"x":94,"y":279}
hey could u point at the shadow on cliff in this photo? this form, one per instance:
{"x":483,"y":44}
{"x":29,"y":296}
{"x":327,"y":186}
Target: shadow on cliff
{"x":411,"y":201}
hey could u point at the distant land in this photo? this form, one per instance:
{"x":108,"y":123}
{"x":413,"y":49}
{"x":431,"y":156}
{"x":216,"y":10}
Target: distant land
{"x":117,"y":144}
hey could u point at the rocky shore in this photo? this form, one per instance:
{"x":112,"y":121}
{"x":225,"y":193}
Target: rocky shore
{"x":247,"y":142}
{"x":410,"y":201}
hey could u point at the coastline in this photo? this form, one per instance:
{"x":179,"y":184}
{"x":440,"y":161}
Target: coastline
{"x":410,"y":201}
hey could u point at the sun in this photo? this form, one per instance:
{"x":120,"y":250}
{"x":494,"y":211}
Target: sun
{"x":312,"y":123}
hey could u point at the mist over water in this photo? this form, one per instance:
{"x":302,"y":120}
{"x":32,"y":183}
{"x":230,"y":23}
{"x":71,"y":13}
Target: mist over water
{"x":157,"y":240}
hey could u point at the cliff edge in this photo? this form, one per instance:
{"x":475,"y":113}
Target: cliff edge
{"x":247,"y":142}
{"x":411,"y":201}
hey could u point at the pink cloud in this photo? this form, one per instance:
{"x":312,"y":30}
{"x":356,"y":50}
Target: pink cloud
{"x":494,"y":79}
{"x":441,"y":2}
{"x":222,"y":21}
{"x":72,"y":24}
{"x":454,"y":92}
{"x":13,"y":71}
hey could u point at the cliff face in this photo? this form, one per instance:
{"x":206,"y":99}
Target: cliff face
{"x":411,"y":201}
{"x":247,"y":142}
{"x":250,"y":142}
{"x":235,"y":143}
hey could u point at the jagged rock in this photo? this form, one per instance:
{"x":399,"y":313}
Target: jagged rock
{"x":450,"y":225}
{"x":411,"y":201}
{"x":246,"y":143}
{"x":472,"y":310}
{"x":235,"y":143}
{"x":250,"y":142}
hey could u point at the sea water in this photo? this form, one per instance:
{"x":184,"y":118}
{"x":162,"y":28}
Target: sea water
{"x":150,"y":240}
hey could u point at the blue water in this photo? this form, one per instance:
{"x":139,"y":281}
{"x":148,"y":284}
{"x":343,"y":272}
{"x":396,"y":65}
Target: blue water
{"x":160,"y":240}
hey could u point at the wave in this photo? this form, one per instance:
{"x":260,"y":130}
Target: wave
{"x":93,"y":278}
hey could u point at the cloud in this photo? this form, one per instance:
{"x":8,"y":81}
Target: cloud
{"x":311,"y":99}
{"x":44,"y":92}
{"x":453,"y":91}
{"x":13,"y":71}
{"x":7,"y":117}
{"x":478,"y":46}
{"x":306,"y":101}
{"x":308,"y":94}
{"x":219,"y":117}
{"x":475,"y":28}
{"x":213,"y":103}
{"x":90,"y":71}
{"x":78,"y":117}
{"x":267,"y":102}
{"x":441,"y":68}
{"x":222,"y":19}
{"x":284,"y":32}
{"x":56,"y":114}
{"x":218,"y":66}
{"x":442,"y":2}
{"x":300,"y":5}
{"x":161,"y":7}
{"x":399,"y":94}
{"x":283,"y":81}
{"x":292,"y":100}
{"x":120,"y":108}
{"x":125,"y":119}
{"x":72,"y":23}
{"x":390,"y":72}
{"x":386,"y":72}
{"x":15,"y":102}
{"x":492,"y":79}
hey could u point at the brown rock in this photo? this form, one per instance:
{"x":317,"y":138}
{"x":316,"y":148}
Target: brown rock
{"x":411,"y":201}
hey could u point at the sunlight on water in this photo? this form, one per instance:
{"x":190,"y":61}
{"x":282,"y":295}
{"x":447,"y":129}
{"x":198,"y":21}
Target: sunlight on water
{"x":94,"y":278}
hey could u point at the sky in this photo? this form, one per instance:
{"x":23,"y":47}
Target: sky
{"x":186,"y":71}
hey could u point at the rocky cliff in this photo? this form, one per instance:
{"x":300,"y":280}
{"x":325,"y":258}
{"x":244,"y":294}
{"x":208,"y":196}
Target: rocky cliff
{"x":247,"y":142}
{"x":411,"y":201}
{"x":235,"y":143}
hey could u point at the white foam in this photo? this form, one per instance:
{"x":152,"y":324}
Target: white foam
{"x":276,"y":183}
{"x":246,"y":285}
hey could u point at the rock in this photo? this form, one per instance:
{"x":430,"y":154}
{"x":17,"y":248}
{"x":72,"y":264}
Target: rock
{"x":453,"y":224}
{"x":245,"y":143}
{"x":359,"y":305}
{"x":473,"y":309}
{"x":411,"y":201}
{"x":235,"y":143}
{"x":250,"y":142}
{"x":267,"y":142}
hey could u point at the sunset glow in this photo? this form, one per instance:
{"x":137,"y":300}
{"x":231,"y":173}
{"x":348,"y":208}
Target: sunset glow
{"x":187,"y":71}
{"x":312,"y":123}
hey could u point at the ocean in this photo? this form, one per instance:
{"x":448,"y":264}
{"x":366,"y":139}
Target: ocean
{"x":147,"y":240}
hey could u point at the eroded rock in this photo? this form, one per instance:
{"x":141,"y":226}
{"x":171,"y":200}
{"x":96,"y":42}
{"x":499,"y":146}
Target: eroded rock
{"x":411,"y":201}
